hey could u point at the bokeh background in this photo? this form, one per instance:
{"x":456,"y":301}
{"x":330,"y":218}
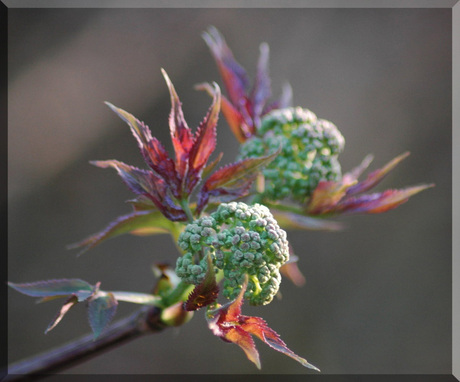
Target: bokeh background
{"x":377,"y":297}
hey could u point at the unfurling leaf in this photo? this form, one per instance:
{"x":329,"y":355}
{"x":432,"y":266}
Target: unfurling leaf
{"x":229,"y":324}
{"x":244,"y":107}
{"x":101,"y":310}
{"x":204,"y":293}
{"x":55,"y":288}
{"x":169,"y":182}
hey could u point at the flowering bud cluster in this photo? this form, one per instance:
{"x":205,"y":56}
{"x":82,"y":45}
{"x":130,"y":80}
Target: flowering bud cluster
{"x":309,"y":152}
{"x":241,"y":240}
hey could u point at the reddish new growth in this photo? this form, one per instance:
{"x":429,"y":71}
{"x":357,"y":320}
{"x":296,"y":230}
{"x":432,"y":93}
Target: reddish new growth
{"x":230,"y":325}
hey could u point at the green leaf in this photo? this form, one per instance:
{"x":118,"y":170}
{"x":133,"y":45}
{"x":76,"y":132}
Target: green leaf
{"x":136,"y":298}
{"x":138,"y":222}
{"x":101,"y":311}
{"x":55,"y":288}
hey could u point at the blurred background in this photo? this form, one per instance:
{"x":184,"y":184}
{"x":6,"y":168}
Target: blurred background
{"x":377,"y":297}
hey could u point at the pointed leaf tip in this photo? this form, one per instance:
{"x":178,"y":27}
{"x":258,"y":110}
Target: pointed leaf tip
{"x":204,"y":293}
{"x":69,"y":303}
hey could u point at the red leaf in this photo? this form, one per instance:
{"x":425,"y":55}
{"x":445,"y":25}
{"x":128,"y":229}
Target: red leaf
{"x":149,"y":184}
{"x":139,"y":181}
{"x":211,"y":166}
{"x":233,"y":180}
{"x":204,"y":293}
{"x":233,"y":74}
{"x":228,"y":323}
{"x":340,"y":197}
{"x":376,"y":176}
{"x":204,"y":143}
{"x":233,"y":117}
{"x":152,"y":150}
{"x":243,"y":339}
{"x":379,"y":202}
{"x":181,"y":135}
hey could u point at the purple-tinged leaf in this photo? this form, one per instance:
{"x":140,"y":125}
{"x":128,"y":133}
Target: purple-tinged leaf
{"x":69,"y":303}
{"x":342,"y":197}
{"x":376,"y":176}
{"x":141,"y":182}
{"x":212,"y":166}
{"x":147,"y":184}
{"x":233,"y":180}
{"x":243,"y":110}
{"x":355,"y":173}
{"x":101,"y":310}
{"x":55,"y":288}
{"x":151,"y":148}
{"x":138,"y":222}
{"x":291,"y":220}
{"x":181,"y":135}
{"x":142,"y":203}
{"x":233,"y":117}
{"x":379,"y":202}
{"x":140,"y":131}
{"x":262,"y":86}
{"x":283,"y":102}
{"x":233,"y":74}
{"x":204,"y":293}
{"x":327,"y":195}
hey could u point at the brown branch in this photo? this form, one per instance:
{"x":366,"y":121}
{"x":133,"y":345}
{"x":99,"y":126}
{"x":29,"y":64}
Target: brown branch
{"x":145,"y":321}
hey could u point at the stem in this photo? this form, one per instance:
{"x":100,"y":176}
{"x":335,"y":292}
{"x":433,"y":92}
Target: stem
{"x":145,"y":321}
{"x":184,"y":204}
{"x":180,"y":293}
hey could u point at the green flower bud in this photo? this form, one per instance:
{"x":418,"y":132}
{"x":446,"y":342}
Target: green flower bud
{"x":241,"y":240}
{"x":309,"y":152}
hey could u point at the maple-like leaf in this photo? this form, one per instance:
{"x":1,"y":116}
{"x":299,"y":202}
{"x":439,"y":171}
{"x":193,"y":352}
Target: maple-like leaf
{"x":245,"y":106}
{"x":345,"y":196}
{"x":230,"y":325}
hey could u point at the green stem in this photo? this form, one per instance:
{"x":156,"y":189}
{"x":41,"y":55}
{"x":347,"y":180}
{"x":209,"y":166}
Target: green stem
{"x":180,"y":293}
{"x":186,"y":207}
